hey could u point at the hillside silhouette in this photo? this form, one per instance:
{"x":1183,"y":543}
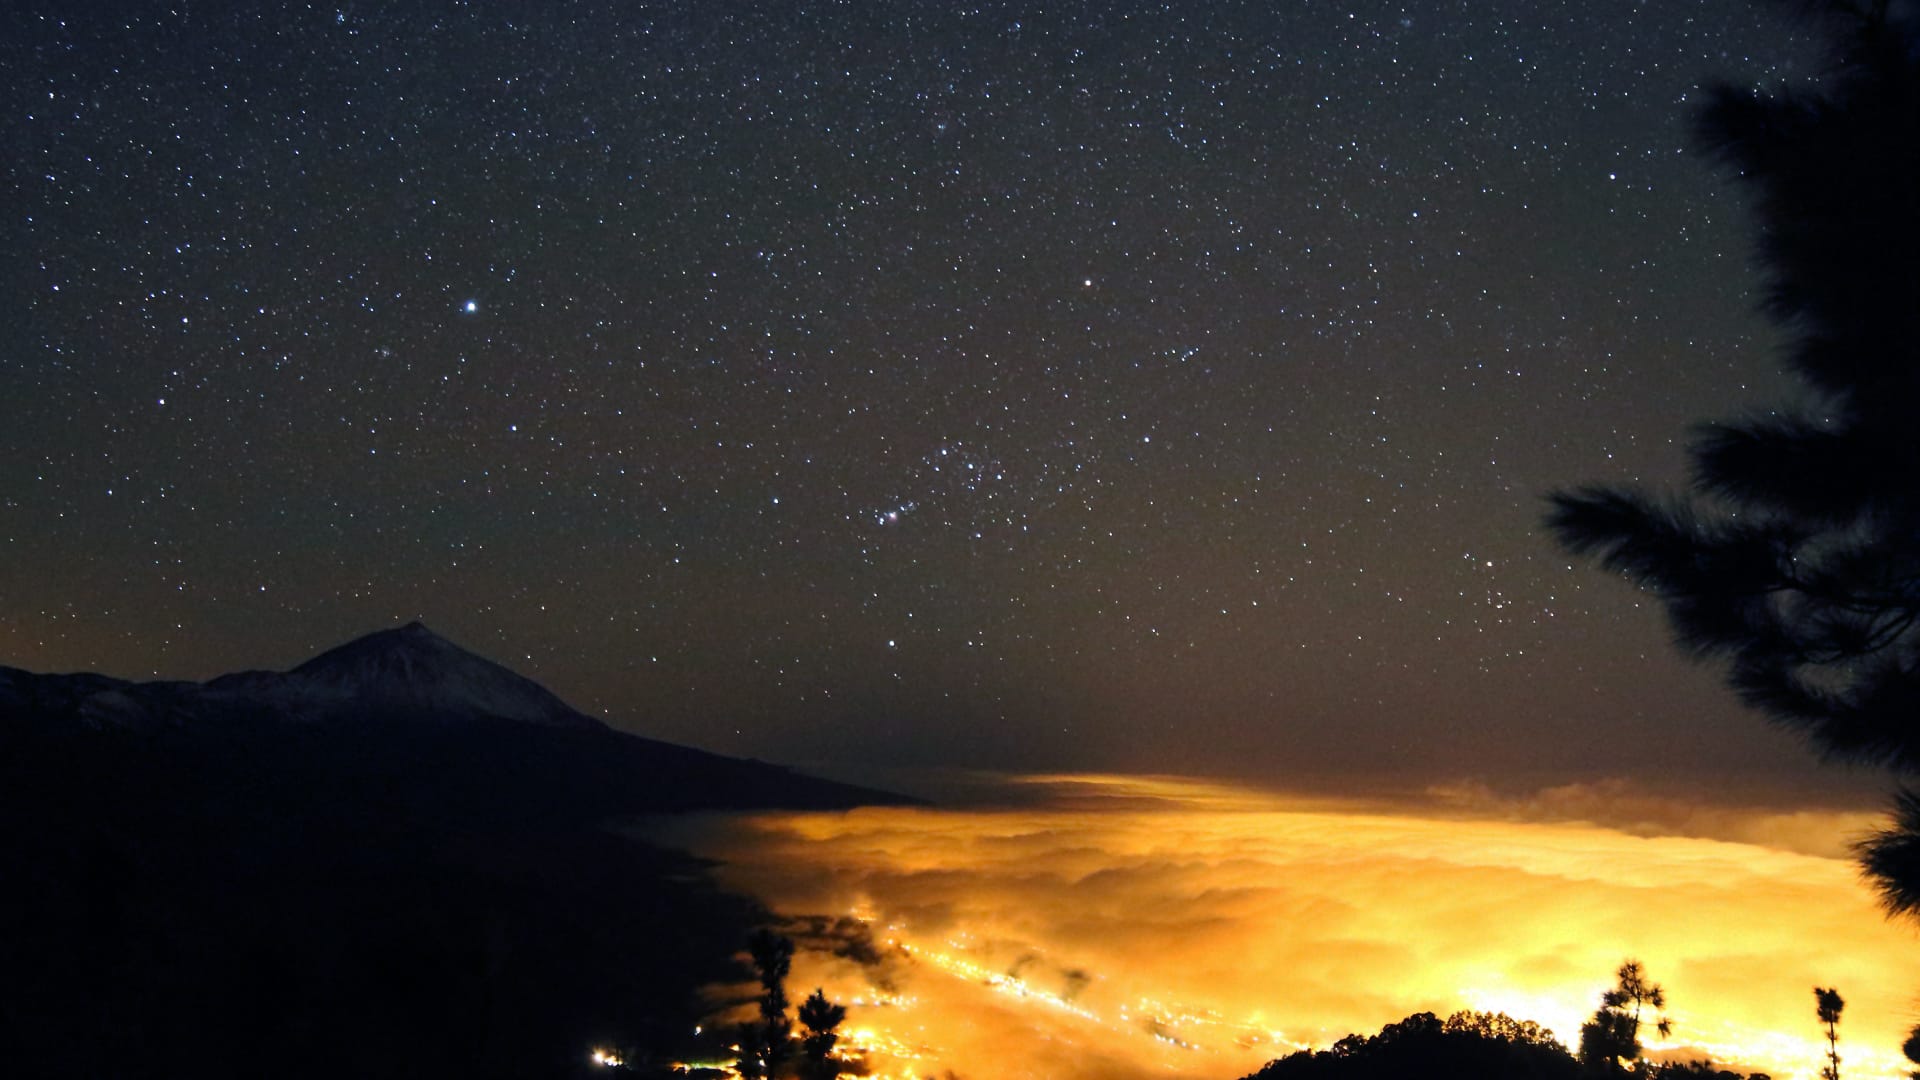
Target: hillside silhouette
{"x":391,"y":860}
{"x":1485,"y":1046}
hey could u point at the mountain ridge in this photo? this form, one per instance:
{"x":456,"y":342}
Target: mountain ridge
{"x":406,"y":706}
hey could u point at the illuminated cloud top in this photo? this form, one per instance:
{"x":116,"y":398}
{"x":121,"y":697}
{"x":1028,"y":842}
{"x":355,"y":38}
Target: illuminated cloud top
{"x":1196,"y":931}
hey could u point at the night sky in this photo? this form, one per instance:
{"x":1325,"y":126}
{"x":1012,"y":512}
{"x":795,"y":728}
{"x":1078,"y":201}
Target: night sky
{"x":1123,"y":386}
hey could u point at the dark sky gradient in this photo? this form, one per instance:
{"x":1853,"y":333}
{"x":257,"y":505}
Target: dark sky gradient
{"x":1121,"y":386}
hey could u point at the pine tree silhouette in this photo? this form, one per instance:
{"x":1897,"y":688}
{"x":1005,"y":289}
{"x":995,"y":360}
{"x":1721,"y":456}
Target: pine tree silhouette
{"x":821,"y":1018}
{"x":764,"y":1041}
{"x":1795,"y":556}
{"x":1611,"y":1040}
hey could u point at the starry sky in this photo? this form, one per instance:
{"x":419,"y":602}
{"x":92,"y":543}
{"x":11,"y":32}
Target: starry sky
{"x":1110,"y":385}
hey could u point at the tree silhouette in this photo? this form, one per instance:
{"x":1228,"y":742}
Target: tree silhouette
{"x":1795,"y":557}
{"x":820,"y":1017}
{"x":1465,"y":1044}
{"x":1500,"y":1027}
{"x":1827,"y":1004}
{"x":763,"y":1041}
{"x":1612,"y":1038}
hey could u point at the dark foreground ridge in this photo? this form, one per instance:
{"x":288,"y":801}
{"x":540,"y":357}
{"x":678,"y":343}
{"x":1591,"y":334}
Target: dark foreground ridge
{"x":1477,"y":1045}
{"x":391,"y":860}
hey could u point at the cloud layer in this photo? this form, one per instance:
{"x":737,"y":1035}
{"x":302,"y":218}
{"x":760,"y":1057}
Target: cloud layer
{"x":1133,"y":928}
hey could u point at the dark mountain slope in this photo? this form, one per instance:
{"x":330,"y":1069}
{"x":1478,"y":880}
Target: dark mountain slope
{"x":388,"y":861}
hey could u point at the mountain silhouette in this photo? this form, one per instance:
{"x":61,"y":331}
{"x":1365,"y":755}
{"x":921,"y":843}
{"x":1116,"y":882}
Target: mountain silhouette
{"x":407,"y":672}
{"x":396,"y":859}
{"x":440,"y":731}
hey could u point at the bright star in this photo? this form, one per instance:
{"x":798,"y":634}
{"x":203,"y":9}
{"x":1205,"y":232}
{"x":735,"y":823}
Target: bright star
{"x":470,"y":306}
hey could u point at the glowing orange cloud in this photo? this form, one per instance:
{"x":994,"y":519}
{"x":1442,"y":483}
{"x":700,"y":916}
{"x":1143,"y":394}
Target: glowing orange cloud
{"x":1137,"y":927}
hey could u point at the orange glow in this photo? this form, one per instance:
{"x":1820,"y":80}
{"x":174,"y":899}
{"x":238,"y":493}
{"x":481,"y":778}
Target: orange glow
{"x":1140,"y":927}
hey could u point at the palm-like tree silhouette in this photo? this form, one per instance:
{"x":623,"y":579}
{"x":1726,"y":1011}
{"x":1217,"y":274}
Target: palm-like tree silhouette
{"x":1827,"y":1004}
